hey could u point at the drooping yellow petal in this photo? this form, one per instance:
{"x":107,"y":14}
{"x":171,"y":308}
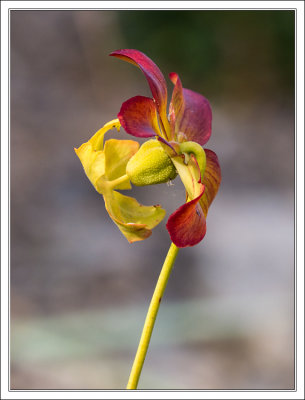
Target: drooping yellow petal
{"x":133,"y":219}
{"x":97,"y":140}
{"x":93,"y":162}
{"x":117,"y":155}
{"x":103,"y":164}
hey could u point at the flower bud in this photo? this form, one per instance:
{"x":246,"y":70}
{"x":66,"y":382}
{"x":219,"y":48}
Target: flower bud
{"x":150,"y":165}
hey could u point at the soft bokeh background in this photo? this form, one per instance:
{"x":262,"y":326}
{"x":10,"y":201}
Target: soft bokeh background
{"x":79,"y":291}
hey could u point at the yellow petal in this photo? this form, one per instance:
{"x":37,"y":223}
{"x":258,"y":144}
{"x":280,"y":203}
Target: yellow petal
{"x":133,"y":219}
{"x":97,"y":139}
{"x":117,"y":155}
{"x":189,"y":174}
{"x":92,"y":161}
{"x":91,"y":153}
{"x":105,"y":164}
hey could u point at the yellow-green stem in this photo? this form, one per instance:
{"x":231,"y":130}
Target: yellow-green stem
{"x":151,"y":317}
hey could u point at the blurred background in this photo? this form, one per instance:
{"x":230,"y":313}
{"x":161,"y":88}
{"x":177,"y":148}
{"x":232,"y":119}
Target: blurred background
{"x":79,"y":291}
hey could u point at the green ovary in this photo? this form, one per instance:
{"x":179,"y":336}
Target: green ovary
{"x":150,"y":165}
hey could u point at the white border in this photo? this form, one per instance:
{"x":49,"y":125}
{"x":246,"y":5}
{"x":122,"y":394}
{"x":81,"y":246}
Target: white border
{"x":157,"y":4}
{"x":299,"y":217}
{"x":5,"y":6}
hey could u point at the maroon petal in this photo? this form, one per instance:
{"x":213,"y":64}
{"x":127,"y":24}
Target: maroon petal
{"x":152,"y":73}
{"x":211,"y":180}
{"x":187,"y":225}
{"x":192,"y":113}
{"x":138,"y":116}
{"x":176,"y":106}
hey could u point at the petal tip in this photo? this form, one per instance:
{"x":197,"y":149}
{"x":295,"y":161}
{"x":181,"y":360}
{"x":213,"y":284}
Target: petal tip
{"x":116,"y":52}
{"x":187,"y":225}
{"x":173,"y":76}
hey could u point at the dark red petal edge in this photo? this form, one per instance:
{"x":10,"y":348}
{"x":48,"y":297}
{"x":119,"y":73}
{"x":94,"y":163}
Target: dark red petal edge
{"x":187,"y":225}
{"x":138,"y":116}
{"x":211,"y":180}
{"x":152,"y":73}
{"x":190,"y":113}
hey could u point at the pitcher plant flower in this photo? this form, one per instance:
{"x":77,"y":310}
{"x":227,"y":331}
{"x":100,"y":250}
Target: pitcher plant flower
{"x":181,"y":136}
{"x":175,"y":147}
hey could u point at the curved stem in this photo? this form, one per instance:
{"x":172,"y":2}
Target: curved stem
{"x":151,"y":317}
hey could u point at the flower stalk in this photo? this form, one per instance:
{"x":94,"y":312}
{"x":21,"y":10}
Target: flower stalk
{"x":151,"y":317}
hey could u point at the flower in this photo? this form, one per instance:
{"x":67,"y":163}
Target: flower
{"x":105,"y":166}
{"x":181,"y":136}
